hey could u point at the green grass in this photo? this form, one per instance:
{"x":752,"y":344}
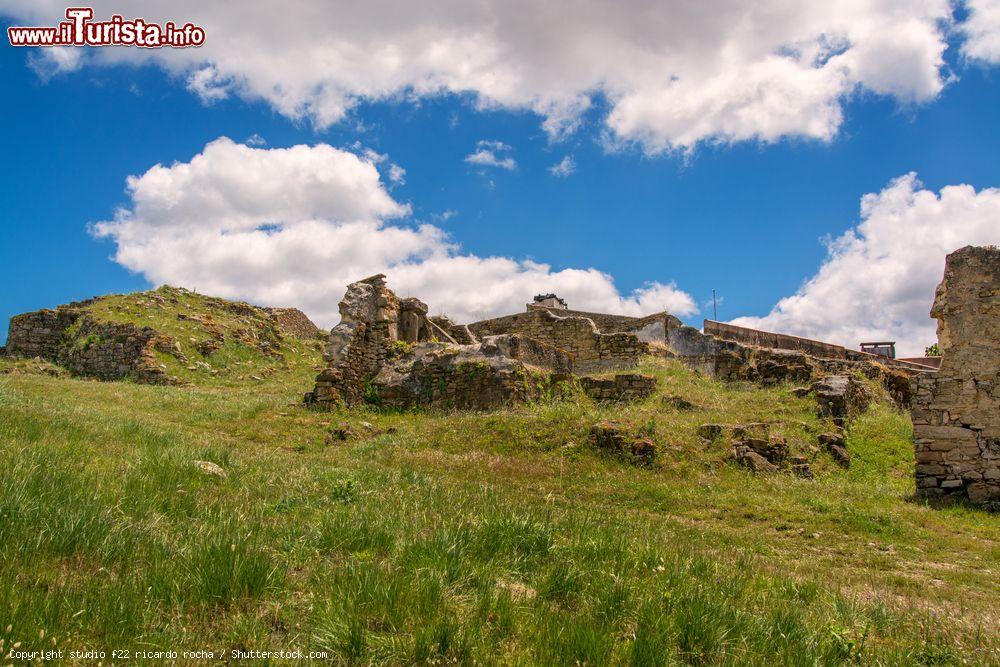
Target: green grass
{"x":494,"y":538}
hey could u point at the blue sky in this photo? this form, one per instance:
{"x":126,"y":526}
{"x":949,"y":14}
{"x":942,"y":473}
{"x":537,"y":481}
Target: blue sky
{"x":747,"y":217}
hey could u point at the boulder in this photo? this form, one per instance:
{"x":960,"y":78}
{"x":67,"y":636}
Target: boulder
{"x":613,"y":437}
{"x":841,"y":398}
{"x":756,"y":463}
{"x":837,"y":447}
{"x":678,"y":403}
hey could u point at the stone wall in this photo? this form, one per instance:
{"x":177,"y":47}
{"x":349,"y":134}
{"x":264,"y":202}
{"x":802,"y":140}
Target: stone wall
{"x":605,"y":323}
{"x":956,"y":413}
{"x":386,"y":350}
{"x":293,"y":321}
{"x":490,"y":375}
{"x":40,"y":334}
{"x":358,"y":347}
{"x":591,"y":349}
{"x":460,"y":333}
{"x":622,"y":387}
{"x":105,"y":350}
{"x":814,"y":348}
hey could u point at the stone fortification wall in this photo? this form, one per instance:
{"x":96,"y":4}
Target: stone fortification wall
{"x":590,"y":348}
{"x":105,"y":350}
{"x":956,"y":412}
{"x":814,"y":348}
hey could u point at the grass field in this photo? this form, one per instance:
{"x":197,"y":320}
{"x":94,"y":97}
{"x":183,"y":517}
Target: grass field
{"x":472,"y":538}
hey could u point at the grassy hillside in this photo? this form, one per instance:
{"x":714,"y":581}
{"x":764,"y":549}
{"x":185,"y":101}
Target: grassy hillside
{"x":457,"y":538}
{"x":222,"y":343}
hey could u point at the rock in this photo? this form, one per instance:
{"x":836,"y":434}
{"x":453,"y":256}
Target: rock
{"x":678,"y":403}
{"x":208,"y":347}
{"x":710,"y":431}
{"x":342,"y":432}
{"x":624,"y":387}
{"x":802,"y":470}
{"x":840,"y":454}
{"x":835,"y":444}
{"x":841,"y":398}
{"x":210,"y":468}
{"x":750,"y":430}
{"x":612,"y":437}
{"x":828,"y":439}
{"x":756,"y":463}
{"x":801,"y":392}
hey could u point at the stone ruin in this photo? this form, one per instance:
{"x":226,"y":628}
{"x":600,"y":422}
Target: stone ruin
{"x":387,"y":350}
{"x":956,"y":412}
{"x":71,"y":336}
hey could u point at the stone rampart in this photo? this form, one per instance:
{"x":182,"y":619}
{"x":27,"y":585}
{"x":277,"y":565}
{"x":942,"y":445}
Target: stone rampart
{"x":956,"y":412}
{"x":105,"y":350}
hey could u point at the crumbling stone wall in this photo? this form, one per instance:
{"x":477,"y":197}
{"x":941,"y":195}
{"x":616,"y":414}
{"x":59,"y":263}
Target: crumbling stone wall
{"x":460,"y":333}
{"x":622,"y":387}
{"x":416,"y":327}
{"x":605,"y":323}
{"x":105,"y":350}
{"x":591,"y":349}
{"x":493,"y":374}
{"x":956,"y":412}
{"x":40,"y":334}
{"x":294,"y":322}
{"x":813,"y":348}
{"x":360,"y":344}
{"x":387,"y":351}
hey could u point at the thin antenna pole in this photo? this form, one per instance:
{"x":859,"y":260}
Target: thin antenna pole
{"x":715,"y":309}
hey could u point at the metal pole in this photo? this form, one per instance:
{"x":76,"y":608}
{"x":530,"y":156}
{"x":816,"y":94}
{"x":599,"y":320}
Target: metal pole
{"x":715,"y":310}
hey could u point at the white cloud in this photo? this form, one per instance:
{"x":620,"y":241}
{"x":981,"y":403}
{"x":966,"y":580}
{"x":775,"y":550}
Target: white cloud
{"x":673,"y":73}
{"x":397,"y":174}
{"x":255,"y":140}
{"x":982,"y":30}
{"x":878,"y":280}
{"x":563,"y":168}
{"x":55,"y":60}
{"x":292,"y":226}
{"x":209,"y":84}
{"x":492,"y":154}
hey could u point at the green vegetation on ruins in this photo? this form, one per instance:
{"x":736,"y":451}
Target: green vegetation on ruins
{"x":495,"y":538}
{"x":223,"y":343}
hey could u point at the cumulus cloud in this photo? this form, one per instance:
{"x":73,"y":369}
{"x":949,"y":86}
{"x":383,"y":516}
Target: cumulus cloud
{"x":563,"y":168}
{"x":492,"y":154}
{"x":982,"y":31}
{"x":672,"y":74}
{"x":878,"y":280}
{"x":292,"y":226}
